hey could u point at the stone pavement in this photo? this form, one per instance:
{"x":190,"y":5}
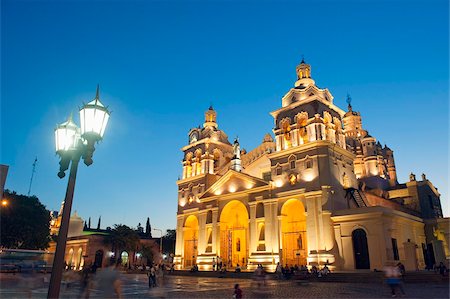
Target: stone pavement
{"x":135,"y":286}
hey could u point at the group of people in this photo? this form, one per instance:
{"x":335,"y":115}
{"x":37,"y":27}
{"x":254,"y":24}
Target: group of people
{"x":287,"y":272}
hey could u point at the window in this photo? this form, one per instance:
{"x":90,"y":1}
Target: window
{"x":292,"y":164}
{"x":259,"y":210}
{"x":309,"y":163}
{"x":395,"y":249}
{"x":267,"y":176}
{"x":278,"y":171}
{"x":209,"y":217}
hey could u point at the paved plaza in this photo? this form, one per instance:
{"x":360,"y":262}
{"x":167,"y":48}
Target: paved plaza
{"x":135,"y":286}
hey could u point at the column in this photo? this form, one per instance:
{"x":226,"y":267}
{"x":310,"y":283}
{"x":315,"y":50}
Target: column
{"x":252,"y":228}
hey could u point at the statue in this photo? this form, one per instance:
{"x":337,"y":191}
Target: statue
{"x":236,"y":149}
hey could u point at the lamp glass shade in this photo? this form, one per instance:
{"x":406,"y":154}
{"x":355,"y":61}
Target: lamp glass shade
{"x":94,"y":117}
{"x":66,"y":136}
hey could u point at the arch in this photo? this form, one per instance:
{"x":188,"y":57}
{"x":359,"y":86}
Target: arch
{"x":233,"y":233}
{"x":209,"y":239}
{"x":209,"y":217}
{"x":70,"y":259}
{"x":190,"y":232}
{"x":293,"y":233}
{"x":292,"y":160}
{"x":124,"y":258}
{"x":260,"y":210}
{"x":79,"y":259}
{"x":261,"y":237}
{"x":98,"y":261}
{"x":360,"y":249}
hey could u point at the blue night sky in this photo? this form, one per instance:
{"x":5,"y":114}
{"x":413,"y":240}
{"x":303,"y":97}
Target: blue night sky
{"x":161,"y":63}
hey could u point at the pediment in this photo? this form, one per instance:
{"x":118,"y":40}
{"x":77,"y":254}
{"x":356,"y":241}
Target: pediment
{"x":233,"y":182}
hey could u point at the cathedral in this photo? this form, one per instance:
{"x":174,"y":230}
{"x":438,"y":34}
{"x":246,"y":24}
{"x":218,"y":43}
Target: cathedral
{"x":323,"y":191}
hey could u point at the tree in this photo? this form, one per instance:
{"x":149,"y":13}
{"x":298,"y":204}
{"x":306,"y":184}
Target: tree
{"x":24,"y":222}
{"x":140,"y":229}
{"x":169,"y":241}
{"x":122,"y":238}
{"x":148,"y":228}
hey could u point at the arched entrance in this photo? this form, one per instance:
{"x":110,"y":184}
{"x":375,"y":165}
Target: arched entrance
{"x":190,"y":241}
{"x":233,"y":234}
{"x":360,"y":249}
{"x":98,"y":258}
{"x":124,"y":258}
{"x":293,"y":233}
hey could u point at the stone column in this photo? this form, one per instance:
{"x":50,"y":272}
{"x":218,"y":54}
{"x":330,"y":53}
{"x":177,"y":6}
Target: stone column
{"x":179,"y":248}
{"x":252,"y":228}
{"x":215,"y":231}
{"x":201,"y":246}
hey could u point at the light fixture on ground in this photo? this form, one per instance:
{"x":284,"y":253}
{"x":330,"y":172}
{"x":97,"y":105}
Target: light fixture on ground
{"x":72,"y":144}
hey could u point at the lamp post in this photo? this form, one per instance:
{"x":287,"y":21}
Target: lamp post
{"x":160,"y":242}
{"x":72,"y":144}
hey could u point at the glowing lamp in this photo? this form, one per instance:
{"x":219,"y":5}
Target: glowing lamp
{"x":94,"y":117}
{"x":66,"y":136}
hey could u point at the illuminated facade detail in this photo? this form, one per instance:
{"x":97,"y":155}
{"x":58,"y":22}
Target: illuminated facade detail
{"x":316,"y":193}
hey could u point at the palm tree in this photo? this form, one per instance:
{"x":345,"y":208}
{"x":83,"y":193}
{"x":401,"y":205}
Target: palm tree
{"x":123,"y":238}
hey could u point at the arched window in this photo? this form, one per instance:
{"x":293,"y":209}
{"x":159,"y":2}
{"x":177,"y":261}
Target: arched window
{"x":278,"y":170}
{"x":79,"y":258}
{"x":209,"y":217}
{"x":261,"y":237}
{"x":259,"y":210}
{"x":292,"y":162}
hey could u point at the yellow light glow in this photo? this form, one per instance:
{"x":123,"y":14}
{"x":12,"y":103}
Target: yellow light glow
{"x":182,"y":202}
{"x":249,"y":186}
{"x":232,"y":189}
{"x":218,"y":192}
{"x":278,"y":183}
{"x":4,"y":202}
{"x":309,"y":176}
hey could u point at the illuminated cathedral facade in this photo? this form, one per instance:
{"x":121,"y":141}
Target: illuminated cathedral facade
{"x":323,"y":191}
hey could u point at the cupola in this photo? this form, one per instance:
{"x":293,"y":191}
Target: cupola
{"x":303,"y":75}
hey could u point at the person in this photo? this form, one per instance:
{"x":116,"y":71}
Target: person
{"x":442,"y":269}
{"x":152,"y":277}
{"x":392,"y":275}
{"x":238,"y":269}
{"x":279,"y":270}
{"x":108,"y":281}
{"x":85,"y":281}
{"x":214,"y":264}
{"x":401,"y":268}
{"x":237,"y":292}
{"x":219,"y":262}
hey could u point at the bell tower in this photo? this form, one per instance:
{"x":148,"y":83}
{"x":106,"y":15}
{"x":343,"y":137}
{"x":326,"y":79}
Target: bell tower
{"x":304,"y":75}
{"x":210,"y":118}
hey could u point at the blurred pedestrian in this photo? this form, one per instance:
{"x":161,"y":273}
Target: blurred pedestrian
{"x":392,"y":275}
{"x":108,"y":281}
{"x":237,"y":292}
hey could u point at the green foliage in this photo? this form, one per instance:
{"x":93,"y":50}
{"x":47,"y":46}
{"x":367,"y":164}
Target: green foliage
{"x":169,"y":241}
{"x":24,"y":222}
{"x":123,"y":238}
{"x":147,"y":253}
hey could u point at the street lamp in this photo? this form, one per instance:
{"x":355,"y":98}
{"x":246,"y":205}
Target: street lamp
{"x":72,"y":144}
{"x":160,"y":242}
{"x":4,"y":202}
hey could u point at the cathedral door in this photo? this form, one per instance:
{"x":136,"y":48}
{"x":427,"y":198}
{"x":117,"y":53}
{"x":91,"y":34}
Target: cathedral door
{"x":233,"y":234}
{"x":190,"y":236}
{"x":360,"y":249}
{"x":293,"y":233}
